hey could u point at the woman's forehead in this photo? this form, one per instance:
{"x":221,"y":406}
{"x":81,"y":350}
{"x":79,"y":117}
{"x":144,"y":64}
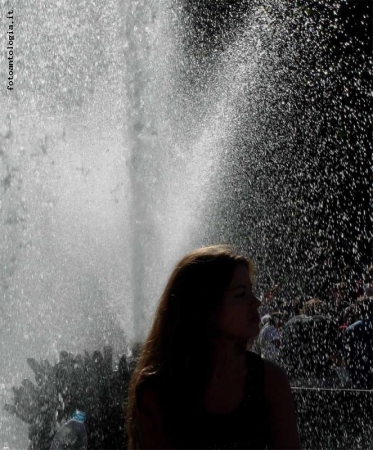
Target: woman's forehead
{"x":241,"y":277}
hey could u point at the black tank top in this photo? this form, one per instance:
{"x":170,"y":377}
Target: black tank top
{"x":243,"y":428}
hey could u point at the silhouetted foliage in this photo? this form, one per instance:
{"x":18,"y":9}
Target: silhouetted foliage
{"x":88,"y":383}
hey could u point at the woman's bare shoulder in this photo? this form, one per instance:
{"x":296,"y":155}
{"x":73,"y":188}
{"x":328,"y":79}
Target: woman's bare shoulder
{"x":276,"y":383}
{"x":283,"y":433}
{"x":273,"y":371}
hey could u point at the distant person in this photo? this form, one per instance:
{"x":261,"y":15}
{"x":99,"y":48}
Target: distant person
{"x":358,"y":344}
{"x":340,"y":298}
{"x":195,"y":384}
{"x":270,"y":337}
{"x":309,"y":351}
{"x":314,"y":307}
{"x":269,"y":300}
{"x":255,"y":347}
{"x":350,"y":316}
{"x":296,"y":306}
{"x":264,"y":321}
{"x":368,"y":282}
{"x":364,"y":286}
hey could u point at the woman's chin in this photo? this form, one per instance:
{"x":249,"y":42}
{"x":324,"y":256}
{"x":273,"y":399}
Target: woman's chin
{"x":253,"y":330}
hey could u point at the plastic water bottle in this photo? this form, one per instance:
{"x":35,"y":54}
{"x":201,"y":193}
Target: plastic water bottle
{"x":72,"y":435}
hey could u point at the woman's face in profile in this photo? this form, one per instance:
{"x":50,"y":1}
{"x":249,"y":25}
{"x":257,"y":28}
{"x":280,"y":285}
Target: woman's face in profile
{"x":238,"y":315}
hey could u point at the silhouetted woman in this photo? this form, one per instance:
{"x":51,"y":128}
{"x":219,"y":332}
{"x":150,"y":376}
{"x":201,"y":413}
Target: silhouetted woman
{"x":195,"y":384}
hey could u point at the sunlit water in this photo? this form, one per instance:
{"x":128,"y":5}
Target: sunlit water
{"x":127,"y":142}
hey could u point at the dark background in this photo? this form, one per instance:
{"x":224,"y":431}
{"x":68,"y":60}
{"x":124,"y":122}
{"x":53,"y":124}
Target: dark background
{"x":297,"y":198}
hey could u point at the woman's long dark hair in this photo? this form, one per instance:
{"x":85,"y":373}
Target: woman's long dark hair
{"x":174,"y":358}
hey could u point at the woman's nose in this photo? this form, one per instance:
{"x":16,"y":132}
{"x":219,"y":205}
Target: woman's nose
{"x":255,"y":302}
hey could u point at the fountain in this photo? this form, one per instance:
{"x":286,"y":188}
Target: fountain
{"x":138,"y":130}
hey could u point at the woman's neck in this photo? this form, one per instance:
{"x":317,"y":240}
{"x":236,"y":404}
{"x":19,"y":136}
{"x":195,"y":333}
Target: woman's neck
{"x":227,"y":356}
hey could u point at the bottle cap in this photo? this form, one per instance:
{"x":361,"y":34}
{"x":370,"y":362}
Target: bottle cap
{"x":79,"y":415}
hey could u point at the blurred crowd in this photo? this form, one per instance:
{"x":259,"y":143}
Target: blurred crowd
{"x":324,"y":343}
